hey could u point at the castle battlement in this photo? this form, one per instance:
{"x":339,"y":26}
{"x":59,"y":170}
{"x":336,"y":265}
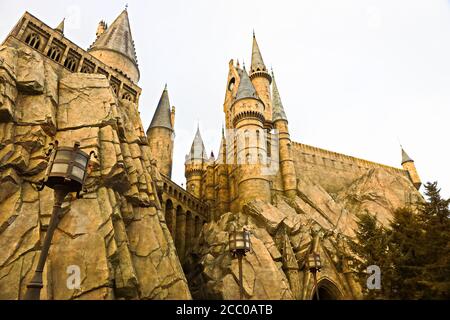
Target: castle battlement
{"x":334,"y":156}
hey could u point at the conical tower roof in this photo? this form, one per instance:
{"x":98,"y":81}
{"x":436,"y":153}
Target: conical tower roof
{"x":405,"y":157}
{"x":60,"y":27}
{"x":278,"y":110}
{"x":223,"y":148}
{"x":117,"y":38}
{"x":161,"y":118}
{"x":198,"y":148}
{"x":246,"y":88}
{"x":257,"y":60}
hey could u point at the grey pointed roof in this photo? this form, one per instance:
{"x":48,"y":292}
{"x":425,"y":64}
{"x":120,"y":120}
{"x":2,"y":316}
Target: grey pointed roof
{"x":223,"y":147}
{"x":405,"y":157}
{"x":161,"y":118}
{"x":257,"y":60}
{"x":277,"y":106}
{"x":60,"y":27}
{"x":117,"y":38}
{"x":197,"y":148}
{"x":246,"y":88}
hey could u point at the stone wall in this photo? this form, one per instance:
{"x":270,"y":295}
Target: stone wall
{"x":333,"y":171}
{"x":116,"y":234}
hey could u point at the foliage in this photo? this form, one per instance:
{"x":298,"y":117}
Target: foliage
{"x":413,"y":254}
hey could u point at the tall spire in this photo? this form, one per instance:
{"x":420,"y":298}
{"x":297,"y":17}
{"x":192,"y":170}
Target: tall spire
{"x":161,"y":118}
{"x":117,"y":38}
{"x":246,"y":88}
{"x":60,"y":27}
{"x":257,"y":60}
{"x":278,"y":110}
{"x":197,"y":148}
{"x":405,"y":157}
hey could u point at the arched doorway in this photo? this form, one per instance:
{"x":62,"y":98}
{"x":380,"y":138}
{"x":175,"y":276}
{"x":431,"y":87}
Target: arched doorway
{"x":327,"y":291}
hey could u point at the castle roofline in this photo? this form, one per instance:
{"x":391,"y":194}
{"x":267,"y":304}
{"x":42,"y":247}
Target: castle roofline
{"x":27,"y":18}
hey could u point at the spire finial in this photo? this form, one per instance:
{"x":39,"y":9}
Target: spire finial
{"x":165,"y":86}
{"x":60,"y":27}
{"x":126,"y":6}
{"x":253,"y":32}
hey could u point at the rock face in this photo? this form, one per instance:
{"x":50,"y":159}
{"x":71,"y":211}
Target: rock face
{"x":283,"y":234}
{"x":116,"y":234}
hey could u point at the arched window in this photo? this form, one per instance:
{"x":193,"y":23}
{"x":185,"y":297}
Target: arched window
{"x":86,"y":69}
{"x":115,"y":88}
{"x":247,"y":138}
{"x":257,"y":138}
{"x":127,"y":96}
{"x":54,"y":53}
{"x":70,"y":63}
{"x":33,"y":40}
{"x":248,"y":158}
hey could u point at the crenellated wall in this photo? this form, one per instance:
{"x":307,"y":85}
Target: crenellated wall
{"x":333,"y":171}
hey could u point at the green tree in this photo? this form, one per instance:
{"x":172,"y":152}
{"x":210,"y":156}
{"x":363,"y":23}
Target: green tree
{"x":370,"y":248}
{"x":413,"y":254}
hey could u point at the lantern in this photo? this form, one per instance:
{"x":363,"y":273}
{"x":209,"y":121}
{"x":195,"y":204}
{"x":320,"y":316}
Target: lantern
{"x":66,"y":172}
{"x":314,"y":262}
{"x":239,"y":242}
{"x":67,"y":168}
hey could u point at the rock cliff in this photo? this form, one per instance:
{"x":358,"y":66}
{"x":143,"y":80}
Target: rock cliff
{"x":116,"y":234}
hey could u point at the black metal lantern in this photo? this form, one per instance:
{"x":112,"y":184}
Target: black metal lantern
{"x":67,"y":168}
{"x":66,"y":172}
{"x":239,"y":242}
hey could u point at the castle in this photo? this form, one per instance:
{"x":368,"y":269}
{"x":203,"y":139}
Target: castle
{"x":145,"y":230}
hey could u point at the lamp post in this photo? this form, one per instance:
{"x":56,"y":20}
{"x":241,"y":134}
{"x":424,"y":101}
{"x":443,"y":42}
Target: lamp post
{"x":66,"y":172}
{"x":239,"y":242}
{"x":314,"y":265}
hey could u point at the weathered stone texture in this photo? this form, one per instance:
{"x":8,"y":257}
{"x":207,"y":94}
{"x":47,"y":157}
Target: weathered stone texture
{"x":114,"y":234}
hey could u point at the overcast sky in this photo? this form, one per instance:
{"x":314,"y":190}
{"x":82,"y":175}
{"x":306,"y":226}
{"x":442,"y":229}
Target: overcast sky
{"x":355,"y":76}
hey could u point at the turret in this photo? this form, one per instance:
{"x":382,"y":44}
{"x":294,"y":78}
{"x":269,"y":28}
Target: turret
{"x":209,"y":195}
{"x":409,"y":166}
{"x":102,"y":26}
{"x":261,"y":80}
{"x":60,"y":27}
{"x":223,"y":195}
{"x":160,"y":134}
{"x":247,"y":113}
{"x":115,"y":47}
{"x":195,"y":166}
{"x":286,"y":159}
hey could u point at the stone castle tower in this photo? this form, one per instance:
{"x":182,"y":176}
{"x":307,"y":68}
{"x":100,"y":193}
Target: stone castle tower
{"x":136,"y":234}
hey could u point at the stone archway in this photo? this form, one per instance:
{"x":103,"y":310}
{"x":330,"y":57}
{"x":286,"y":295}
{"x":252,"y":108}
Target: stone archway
{"x":327,"y":291}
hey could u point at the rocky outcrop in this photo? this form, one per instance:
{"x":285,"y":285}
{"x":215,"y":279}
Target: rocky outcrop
{"x":285,"y":232}
{"x":116,"y":234}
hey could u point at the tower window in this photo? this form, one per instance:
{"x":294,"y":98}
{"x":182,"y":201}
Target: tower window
{"x":127,"y":96}
{"x":115,"y":89}
{"x":86,"y":69}
{"x":70,"y":63}
{"x":248,"y":158}
{"x":231,"y":84}
{"x":33,"y":40}
{"x":54,"y":53}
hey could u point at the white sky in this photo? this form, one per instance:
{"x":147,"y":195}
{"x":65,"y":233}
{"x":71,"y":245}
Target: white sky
{"x":355,"y":76}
